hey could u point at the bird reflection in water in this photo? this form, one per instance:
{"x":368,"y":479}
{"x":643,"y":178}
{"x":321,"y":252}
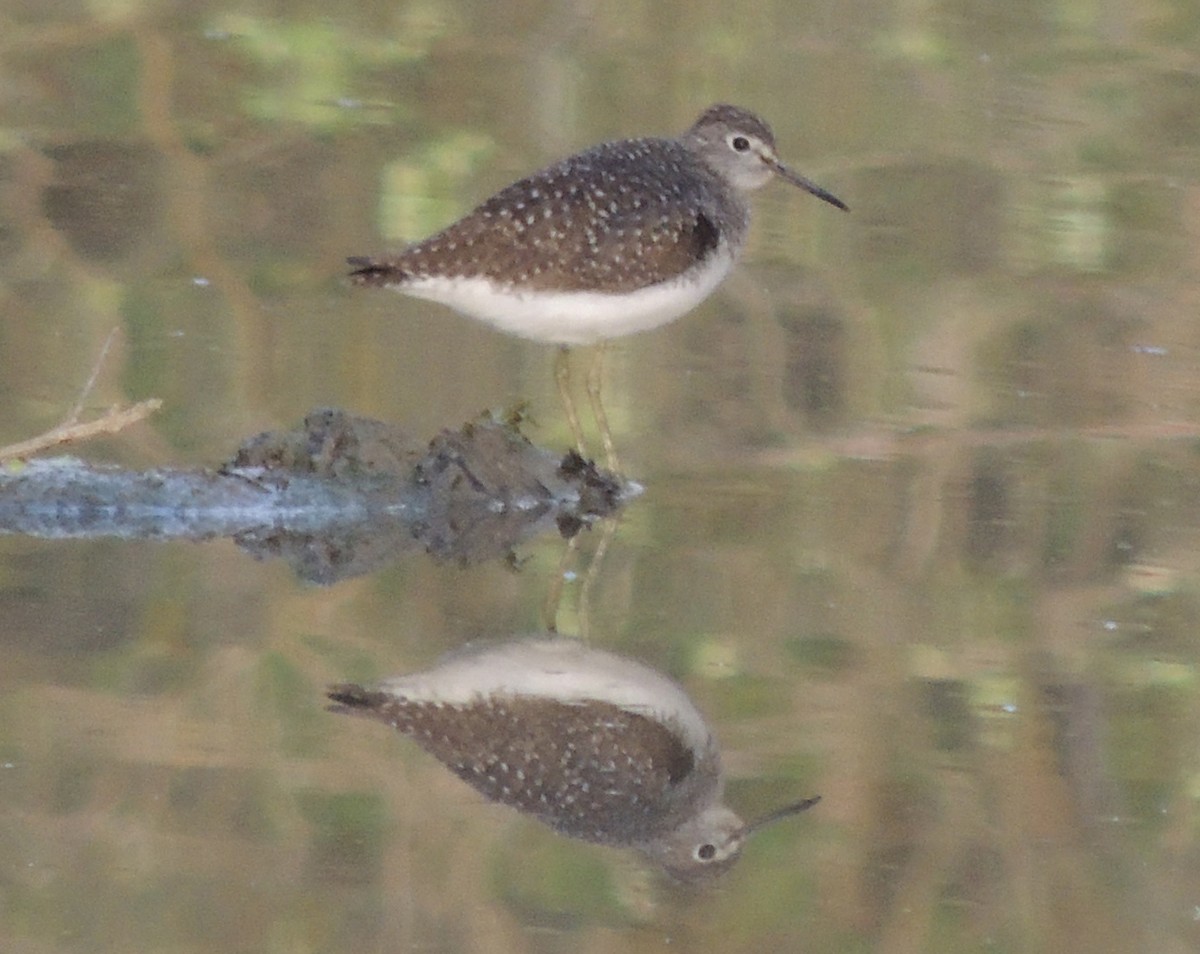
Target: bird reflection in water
{"x":597,"y":746}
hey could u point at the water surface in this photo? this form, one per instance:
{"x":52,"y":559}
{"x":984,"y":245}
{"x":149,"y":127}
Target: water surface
{"x":920,"y":528}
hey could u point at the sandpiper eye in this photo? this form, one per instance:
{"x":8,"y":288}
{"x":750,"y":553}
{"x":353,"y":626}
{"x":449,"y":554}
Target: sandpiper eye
{"x":706,"y":852}
{"x":740,"y":143}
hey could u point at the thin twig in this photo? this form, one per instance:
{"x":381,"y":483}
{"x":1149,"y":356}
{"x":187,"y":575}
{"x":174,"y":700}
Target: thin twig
{"x":115,"y":420}
{"x":73,"y":416}
{"x":70,"y":430}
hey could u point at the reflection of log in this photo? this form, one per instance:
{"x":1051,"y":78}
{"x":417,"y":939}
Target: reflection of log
{"x":336,"y":497}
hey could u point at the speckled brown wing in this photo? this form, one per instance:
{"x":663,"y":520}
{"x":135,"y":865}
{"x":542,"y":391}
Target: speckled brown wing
{"x":572,"y":226}
{"x":592,"y":770}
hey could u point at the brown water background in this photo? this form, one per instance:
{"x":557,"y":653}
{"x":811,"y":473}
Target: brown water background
{"x":921,"y":530}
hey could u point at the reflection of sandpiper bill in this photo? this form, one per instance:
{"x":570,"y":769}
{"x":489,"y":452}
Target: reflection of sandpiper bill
{"x":618,"y":239}
{"x":594,"y":745}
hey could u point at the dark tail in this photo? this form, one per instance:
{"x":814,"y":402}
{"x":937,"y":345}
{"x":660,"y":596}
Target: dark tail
{"x":350,"y":697}
{"x":374,"y":271}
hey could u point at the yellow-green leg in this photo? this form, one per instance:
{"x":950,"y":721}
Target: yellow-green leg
{"x":594,"y":380}
{"x":562,"y":377}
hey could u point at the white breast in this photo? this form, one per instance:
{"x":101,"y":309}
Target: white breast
{"x":574,"y":317}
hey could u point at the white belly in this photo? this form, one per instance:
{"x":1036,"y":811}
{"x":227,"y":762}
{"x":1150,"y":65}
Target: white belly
{"x":575,"y":317}
{"x":563,"y":670}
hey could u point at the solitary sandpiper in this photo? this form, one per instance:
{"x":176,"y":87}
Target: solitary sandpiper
{"x":595,"y":745}
{"x":618,"y":239}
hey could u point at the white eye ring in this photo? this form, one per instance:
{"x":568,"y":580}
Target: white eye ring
{"x":706,"y":851}
{"x":739,"y":143}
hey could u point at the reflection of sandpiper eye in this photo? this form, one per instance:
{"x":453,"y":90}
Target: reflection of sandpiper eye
{"x":479,"y":711}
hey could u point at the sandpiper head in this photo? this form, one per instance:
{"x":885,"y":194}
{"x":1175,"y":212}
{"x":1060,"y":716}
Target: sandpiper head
{"x":741,"y":148}
{"x":710,"y":843}
{"x":702,"y":847}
